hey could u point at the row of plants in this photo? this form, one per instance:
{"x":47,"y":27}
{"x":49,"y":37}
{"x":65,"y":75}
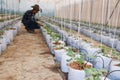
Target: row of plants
{"x":111,"y":42}
{"x":86,"y":58}
{"x":7,"y":33}
{"x":113,"y":33}
{"x":96,"y":26}
{"x":106,"y":50}
{"x":7,"y":22}
{"x":110,"y":51}
{"x":4,"y":17}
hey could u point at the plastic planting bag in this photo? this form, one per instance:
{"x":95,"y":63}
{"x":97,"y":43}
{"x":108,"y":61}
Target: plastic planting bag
{"x":75,"y":74}
{"x":104,"y":39}
{"x":76,"y":43}
{"x":69,"y":40}
{"x":84,"y":45}
{"x":118,"y":45}
{"x":65,"y":35}
{"x":58,"y":54}
{"x":3,"y":44}
{"x":9,"y":34}
{"x":15,"y":31}
{"x":115,"y":75}
{"x":7,"y":39}
{"x":112,"y":42}
{"x":1,"y":25}
{"x":102,"y":62}
{"x":64,"y":62}
{"x":95,"y":36}
{"x":92,"y":51}
{"x":86,"y":32}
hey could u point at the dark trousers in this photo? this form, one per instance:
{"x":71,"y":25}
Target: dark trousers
{"x":31,"y":26}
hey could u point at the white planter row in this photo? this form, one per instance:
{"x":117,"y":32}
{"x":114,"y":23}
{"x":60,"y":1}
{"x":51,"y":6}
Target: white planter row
{"x":7,"y":22}
{"x":86,"y":47}
{"x":61,"y":54}
{"x":77,"y":43}
{"x":114,"y":43}
{"x":111,"y":30}
{"x":8,"y":36}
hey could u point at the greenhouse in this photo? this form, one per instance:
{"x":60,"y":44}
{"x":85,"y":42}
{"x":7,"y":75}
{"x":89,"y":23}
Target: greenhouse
{"x":59,"y":39}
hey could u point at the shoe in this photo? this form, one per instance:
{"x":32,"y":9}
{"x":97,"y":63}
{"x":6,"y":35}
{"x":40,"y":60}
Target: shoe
{"x":27,"y":29}
{"x":32,"y":31}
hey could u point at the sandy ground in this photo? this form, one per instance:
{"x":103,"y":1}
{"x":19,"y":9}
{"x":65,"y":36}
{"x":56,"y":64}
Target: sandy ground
{"x":28,"y":58}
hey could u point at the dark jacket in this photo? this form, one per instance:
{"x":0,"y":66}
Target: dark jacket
{"x":29,"y":20}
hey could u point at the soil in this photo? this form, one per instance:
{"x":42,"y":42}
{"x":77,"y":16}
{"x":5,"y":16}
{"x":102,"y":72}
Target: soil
{"x":58,"y":48}
{"x":75,"y":65}
{"x":28,"y":58}
{"x":57,"y":43}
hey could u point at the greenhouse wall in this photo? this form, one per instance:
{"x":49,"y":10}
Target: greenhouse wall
{"x":96,"y":11}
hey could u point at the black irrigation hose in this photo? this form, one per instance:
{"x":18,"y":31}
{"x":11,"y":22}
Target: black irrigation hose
{"x":110,"y":73}
{"x":109,"y":65}
{"x":86,"y":53}
{"x":102,"y":61}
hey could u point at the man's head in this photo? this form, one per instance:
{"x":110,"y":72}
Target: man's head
{"x":36,"y":9}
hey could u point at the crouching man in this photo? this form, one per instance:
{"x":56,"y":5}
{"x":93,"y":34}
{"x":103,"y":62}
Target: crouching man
{"x":29,"y":20}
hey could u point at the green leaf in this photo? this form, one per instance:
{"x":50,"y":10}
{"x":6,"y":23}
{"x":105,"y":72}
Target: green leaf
{"x":68,"y":60}
{"x":88,"y":79}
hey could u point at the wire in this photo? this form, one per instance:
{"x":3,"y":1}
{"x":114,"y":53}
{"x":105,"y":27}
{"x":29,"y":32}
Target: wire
{"x":108,"y":2}
{"x":90,"y":19}
{"x":102,"y":21}
{"x":117,"y":21}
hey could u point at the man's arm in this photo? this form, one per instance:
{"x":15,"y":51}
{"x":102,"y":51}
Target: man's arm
{"x":41,"y":24}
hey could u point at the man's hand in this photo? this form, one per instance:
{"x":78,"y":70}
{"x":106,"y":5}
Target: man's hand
{"x":40,"y":23}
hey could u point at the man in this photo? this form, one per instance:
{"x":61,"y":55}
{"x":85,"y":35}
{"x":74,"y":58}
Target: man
{"x":29,"y":19}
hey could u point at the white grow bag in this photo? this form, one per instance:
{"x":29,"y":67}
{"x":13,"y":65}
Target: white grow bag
{"x":15,"y":31}
{"x":64,"y":62}
{"x":92,"y":51}
{"x":96,"y":37}
{"x":18,"y":25}
{"x":3,"y":44}
{"x":7,"y":39}
{"x":9,"y":34}
{"x":76,"y":74}
{"x":105,"y":39}
{"x":58,"y":54}
{"x":118,"y":45}
{"x":76,"y":43}
{"x":84,"y":45}
{"x":112,"y":42}
{"x":115,"y":75}
{"x":102,"y":62}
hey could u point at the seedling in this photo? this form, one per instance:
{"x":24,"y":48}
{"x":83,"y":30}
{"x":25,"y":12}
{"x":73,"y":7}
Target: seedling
{"x":96,"y":73}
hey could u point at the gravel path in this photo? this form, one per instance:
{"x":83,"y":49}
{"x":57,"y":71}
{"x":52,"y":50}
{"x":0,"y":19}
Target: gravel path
{"x":28,"y":58}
